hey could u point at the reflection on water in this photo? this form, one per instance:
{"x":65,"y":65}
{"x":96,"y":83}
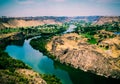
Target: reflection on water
{"x":37,"y":61}
{"x":45,"y":65}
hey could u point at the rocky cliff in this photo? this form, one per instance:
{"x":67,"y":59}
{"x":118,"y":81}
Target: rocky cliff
{"x":74,"y":50}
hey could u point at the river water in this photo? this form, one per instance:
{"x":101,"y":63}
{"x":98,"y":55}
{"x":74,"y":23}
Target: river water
{"x":70,"y":29}
{"x":45,"y":65}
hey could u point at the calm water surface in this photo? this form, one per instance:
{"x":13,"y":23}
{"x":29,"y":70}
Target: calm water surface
{"x":37,"y":60}
{"x":70,"y":29}
{"x":45,"y":65}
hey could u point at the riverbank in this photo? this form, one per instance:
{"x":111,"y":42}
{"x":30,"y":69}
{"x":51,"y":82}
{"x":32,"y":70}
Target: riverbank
{"x":11,"y":38}
{"x":15,"y":71}
{"x":74,"y":50}
{"x":76,"y":74}
{"x":62,"y":48}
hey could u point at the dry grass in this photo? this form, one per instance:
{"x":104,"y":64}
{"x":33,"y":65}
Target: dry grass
{"x":33,"y":77}
{"x":22,"y":23}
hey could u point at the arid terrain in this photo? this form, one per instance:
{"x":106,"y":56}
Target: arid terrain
{"x":107,"y":19}
{"x":74,"y":50}
{"x":36,"y":21}
{"x":23,"y":23}
{"x":92,"y":47}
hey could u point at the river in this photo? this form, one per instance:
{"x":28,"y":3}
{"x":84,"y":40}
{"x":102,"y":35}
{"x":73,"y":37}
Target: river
{"x":117,"y":33}
{"x":45,"y":65}
{"x":70,"y":29}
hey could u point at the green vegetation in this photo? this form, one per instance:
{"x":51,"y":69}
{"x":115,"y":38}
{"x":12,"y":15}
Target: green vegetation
{"x":37,"y":30}
{"x":7,"y":69}
{"x":49,"y":30}
{"x":92,"y":29}
{"x":40,"y":43}
{"x":53,"y":29}
{"x":89,"y":31}
{"x":6,"y":62}
{"x":51,"y":79}
{"x":8,"y":65}
{"x":8,"y":77}
{"x":90,"y":38}
{"x":92,"y":41}
{"x":8,"y":30}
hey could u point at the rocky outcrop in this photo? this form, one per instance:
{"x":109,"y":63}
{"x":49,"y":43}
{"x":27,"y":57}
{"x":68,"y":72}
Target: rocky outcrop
{"x":73,"y":50}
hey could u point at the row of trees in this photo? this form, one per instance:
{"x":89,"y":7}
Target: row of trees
{"x":37,"y":29}
{"x":92,"y":29}
{"x":9,"y":30}
{"x":89,"y":31}
{"x":8,"y":74}
{"x":10,"y":64}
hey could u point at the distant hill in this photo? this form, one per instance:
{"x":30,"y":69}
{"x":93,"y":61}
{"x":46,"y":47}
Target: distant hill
{"x":23,"y":23}
{"x":14,"y":22}
{"x":107,"y":19}
{"x":86,"y":18}
{"x":29,"y":21}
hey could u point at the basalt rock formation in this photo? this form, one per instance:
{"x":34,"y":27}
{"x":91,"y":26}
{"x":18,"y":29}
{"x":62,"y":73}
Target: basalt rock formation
{"x":74,"y":50}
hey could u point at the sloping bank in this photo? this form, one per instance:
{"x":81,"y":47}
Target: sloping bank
{"x":14,"y":71}
{"x":73,"y":50}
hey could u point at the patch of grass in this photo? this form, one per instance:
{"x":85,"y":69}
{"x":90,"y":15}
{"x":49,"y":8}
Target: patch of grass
{"x":86,"y":35}
{"x":92,"y":41}
{"x":91,"y":38}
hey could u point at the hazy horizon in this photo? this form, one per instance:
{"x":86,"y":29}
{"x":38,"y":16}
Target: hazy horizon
{"x":34,"y":8}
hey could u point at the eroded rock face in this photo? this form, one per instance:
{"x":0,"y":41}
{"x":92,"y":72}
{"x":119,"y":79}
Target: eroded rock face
{"x":72,"y":49}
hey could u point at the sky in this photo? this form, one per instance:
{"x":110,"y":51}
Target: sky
{"x":22,"y":8}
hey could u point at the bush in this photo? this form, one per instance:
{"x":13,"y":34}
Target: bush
{"x":51,"y":79}
{"x":92,"y":41}
{"x":6,"y":62}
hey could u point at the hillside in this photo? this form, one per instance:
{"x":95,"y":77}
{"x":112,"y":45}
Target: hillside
{"x":107,"y":19}
{"x":74,"y":50}
{"x":14,"y":23}
{"x":13,"y":71}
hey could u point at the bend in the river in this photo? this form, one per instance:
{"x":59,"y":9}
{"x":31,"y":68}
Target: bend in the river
{"x":45,"y":65}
